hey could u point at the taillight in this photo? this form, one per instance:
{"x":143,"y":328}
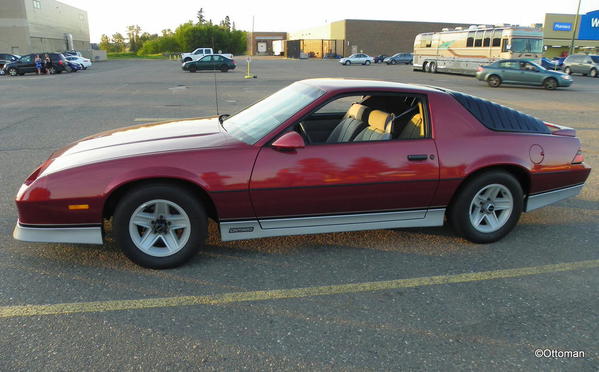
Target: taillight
{"x":60,"y":62}
{"x":579,"y":158}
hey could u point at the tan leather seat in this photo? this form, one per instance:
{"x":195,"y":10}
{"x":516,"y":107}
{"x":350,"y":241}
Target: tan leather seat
{"x":353,"y":122}
{"x":414,"y":128}
{"x":378,"y":129}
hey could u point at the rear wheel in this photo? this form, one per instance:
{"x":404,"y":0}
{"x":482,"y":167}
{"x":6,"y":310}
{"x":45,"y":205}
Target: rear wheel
{"x":550,"y":83}
{"x":593,"y":73}
{"x":494,"y":81}
{"x":433,"y":67}
{"x":224,"y":68}
{"x":367,"y":63}
{"x":160,"y":226}
{"x":568,"y":70}
{"x":425,"y":67}
{"x":193,"y":68}
{"x":487,"y":208}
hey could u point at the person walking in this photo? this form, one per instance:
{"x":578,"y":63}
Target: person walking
{"x":38,"y":64}
{"x":48,"y":65}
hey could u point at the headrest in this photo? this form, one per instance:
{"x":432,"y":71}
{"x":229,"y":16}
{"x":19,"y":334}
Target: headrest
{"x":358,"y":112}
{"x":379,"y":120}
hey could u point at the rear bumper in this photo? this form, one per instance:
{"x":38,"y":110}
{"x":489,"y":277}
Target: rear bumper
{"x":545,"y":198}
{"x":58,"y":234}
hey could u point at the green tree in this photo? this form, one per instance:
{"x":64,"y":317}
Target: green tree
{"x":200,"y":16}
{"x":119,"y":42}
{"x":226,"y":23}
{"x":133,"y":35}
{"x":105,"y":43}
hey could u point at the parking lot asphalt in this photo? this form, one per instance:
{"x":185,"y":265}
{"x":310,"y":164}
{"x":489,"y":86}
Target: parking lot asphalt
{"x":411,"y":299}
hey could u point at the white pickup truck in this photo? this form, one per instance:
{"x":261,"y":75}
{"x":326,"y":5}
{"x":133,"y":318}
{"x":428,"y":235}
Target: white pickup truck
{"x":199,"y":53}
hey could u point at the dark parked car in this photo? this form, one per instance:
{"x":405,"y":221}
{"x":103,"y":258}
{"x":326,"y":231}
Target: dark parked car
{"x":523,"y":72}
{"x":582,"y":64}
{"x":26,"y":64}
{"x":74,"y":66}
{"x":6,"y":58}
{"x":380,"y":58}
{"x":319,"y":156}
{"x":399,"y":58}
{"x":210,"y":62}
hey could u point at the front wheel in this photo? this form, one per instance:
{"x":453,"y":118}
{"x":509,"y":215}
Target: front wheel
{"x":487,"y":208}
{"x":347,"y":63}
{"x":160,"y":226}
{"x":593,"y":73}
{"x":568,"y":70}
{"x":13,"y":71}
{"x":393,"y":62}
{"x":550,"y":84}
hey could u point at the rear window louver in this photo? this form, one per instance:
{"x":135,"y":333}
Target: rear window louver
{"x":499,"y":118}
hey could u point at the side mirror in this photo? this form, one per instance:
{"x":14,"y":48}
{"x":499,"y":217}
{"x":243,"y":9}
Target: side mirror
{"x":289,"y":141}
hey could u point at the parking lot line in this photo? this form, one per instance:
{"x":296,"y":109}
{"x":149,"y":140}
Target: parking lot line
{"x":278,"y":294}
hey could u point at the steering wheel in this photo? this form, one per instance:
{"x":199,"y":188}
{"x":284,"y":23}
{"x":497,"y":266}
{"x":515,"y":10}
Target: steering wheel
{"x":304,"y":133}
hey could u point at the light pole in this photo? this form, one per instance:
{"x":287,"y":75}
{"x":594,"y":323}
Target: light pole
{"x":575,"y":29}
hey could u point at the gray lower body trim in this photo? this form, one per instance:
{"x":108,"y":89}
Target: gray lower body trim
{"x":252,"y":229}
{"x":81,"y":235}
{"x":540,"y":200}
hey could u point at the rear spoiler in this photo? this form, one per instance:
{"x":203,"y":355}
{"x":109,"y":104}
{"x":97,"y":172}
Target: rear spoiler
{"x":560,"y":130}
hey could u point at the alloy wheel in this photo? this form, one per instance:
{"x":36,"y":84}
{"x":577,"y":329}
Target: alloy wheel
{"x":491,"y":208}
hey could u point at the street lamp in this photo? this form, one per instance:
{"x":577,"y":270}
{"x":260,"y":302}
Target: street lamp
{"x":575,"y":29}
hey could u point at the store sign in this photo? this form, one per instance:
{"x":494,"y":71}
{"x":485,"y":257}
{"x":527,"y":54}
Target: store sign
{"x":589,"y":26}
{"x":562,"y":26}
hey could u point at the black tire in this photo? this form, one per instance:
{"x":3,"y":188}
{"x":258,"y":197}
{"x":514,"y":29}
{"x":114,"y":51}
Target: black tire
{"x":494,"y":81}
{"x":224,"y":68}
{"x":464,"y":206}
{"x":192,"y":68}
{"x":433,"y":68}
{"x":568,"y":70}
{"x":593,"y":73}
{"x":393,"y":62}
{"x":550,"y":84}
{"x":13,"y":71}
{"x":347,"y":63}
{"x":425,"y":67}
{"x":367,"y":63}
{"x":160,"y":192}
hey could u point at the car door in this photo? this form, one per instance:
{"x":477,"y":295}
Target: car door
{"x":205,"y":63}
{"x":510,"y":71}
{"x":27,"y":64}
{"x":576,"y":65}
{"x":532,"y":75}
{"x":344,"y":179}
{"x":586,"y":65}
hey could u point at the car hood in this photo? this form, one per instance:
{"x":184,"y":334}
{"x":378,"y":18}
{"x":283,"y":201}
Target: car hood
{"x":140,"y":140}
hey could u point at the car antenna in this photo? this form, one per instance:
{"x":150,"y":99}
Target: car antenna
{"x":215,"y":85}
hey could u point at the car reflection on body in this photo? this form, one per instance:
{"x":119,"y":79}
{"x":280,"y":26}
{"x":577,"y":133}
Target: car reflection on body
{"x":321,"y":155}
{"x":522,"y":72}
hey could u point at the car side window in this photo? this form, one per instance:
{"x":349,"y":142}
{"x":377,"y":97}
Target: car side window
{"x":366,"y":118}
{"x":26,"y":59}
{"x":217,"y":58}
{"x":206,"y":59}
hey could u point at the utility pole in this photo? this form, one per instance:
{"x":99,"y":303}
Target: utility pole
{"x":575,"y":30}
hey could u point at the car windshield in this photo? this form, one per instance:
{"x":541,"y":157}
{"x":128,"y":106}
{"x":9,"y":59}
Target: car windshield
{"x":527,"y":46}
{"x":595,"y":59}
{"x":261,"y":118}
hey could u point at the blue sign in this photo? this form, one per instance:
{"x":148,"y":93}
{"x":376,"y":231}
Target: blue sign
{"x":589,"y":26}
{"x":562,"y":26}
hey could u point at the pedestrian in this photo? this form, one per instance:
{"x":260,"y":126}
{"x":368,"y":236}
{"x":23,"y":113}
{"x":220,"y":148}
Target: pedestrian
{"x":38,"y":64}
{"x":48,"y":65}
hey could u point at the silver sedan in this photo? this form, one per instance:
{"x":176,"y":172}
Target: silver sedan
{"x":357,"y":58}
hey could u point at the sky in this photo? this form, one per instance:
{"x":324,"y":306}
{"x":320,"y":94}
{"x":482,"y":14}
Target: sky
{"x":110,"y":16}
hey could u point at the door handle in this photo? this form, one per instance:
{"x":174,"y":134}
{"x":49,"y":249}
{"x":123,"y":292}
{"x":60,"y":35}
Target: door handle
{"x":417,"y":157}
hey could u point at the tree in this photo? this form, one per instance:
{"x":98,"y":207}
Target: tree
{"x":119,"y":42}
{"x":167,"y":32}
{"x":226,"y":23}
{"x":105,"y":43}
{"x":133,"y":34}
{"x":200,"y":16}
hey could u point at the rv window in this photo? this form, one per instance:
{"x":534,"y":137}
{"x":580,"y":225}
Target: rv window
{"x":478,"y":40}
{"x":486,"y":41}
{"x":470,"y":40}
{"x":505,"y":45}
{"x":496,"y":41}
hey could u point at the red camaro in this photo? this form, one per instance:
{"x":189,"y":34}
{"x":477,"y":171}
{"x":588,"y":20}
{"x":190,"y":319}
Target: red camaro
{"x":322,"y":155}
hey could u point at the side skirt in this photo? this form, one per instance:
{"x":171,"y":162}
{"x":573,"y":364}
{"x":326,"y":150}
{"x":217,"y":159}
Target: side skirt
{"x":253,"y":229}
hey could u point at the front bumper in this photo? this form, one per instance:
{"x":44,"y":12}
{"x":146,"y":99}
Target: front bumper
{"x":58,"y":234}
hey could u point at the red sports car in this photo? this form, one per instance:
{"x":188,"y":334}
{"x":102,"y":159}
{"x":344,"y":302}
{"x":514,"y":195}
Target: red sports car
{"x":322,"y":155}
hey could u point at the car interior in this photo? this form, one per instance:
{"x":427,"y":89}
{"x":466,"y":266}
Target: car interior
{"x":365,"y":118}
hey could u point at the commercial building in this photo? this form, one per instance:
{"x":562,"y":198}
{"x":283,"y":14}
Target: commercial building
{"x":28,"y":26}
{"x":373,"y":37}
{"x":264,"y":43}
{"x":560,"y":29}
